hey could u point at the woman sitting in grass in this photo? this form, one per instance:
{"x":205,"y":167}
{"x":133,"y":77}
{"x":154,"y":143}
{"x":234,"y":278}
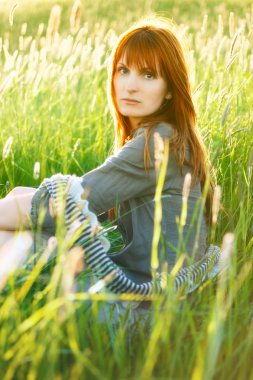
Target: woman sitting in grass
{"x":156,"y":140}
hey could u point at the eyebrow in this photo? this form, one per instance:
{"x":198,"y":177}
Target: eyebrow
{"x":143,"y":68}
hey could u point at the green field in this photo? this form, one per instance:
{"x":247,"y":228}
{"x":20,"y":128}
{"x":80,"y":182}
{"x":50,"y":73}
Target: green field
{"x":54,"y":112}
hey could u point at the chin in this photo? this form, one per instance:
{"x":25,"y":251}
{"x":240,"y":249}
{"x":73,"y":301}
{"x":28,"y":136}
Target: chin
{"x":128,"y":113}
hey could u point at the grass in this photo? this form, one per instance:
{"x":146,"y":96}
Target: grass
{"x":53,"y":106}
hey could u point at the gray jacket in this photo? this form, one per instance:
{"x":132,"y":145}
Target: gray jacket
{"x":121,"y":181}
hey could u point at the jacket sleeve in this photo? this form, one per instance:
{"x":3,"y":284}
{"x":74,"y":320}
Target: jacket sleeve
{"x":94,"y":246}
{"x":123,"y":176}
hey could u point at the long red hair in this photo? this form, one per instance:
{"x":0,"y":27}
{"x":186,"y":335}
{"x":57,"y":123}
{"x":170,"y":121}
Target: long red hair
{"x":151,"y":43}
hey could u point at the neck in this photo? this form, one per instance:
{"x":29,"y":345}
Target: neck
{"x":135,"y":122}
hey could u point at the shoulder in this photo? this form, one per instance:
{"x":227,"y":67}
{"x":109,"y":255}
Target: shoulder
{"x":145,"y":135}
{"x":165,"y":130}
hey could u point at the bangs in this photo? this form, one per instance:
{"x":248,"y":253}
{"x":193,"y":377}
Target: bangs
{"x":141,"y":51}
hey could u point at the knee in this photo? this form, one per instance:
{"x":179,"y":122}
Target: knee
{"x":20,"y":190}
{"x":16,"y":191}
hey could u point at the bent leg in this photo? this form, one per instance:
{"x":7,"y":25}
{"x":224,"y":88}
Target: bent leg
{"x":15,"y":209}
{"x":13,"y":254}
{"x":5,"y":236}
{"x":20,"y":190}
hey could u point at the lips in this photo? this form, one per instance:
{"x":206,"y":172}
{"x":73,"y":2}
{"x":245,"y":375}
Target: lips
{"x":130,"y":101}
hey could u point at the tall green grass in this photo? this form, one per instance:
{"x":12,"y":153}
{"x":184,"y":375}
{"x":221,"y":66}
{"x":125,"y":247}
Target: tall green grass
{"x":54,"y":112}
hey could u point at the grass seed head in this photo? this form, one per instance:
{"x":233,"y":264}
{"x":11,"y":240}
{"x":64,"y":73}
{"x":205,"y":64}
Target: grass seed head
{"x":23,"y":28}
{"x":36,"y":170}
{"x":7,"y":147}
{"x":86,"y":193}
{"x":159,"y":151}
{"x":21,"y":43}
{"x":40,"y":29}
{"x":220,"y":26}
{"x":75,"y":17}
{"x":73,"y":265}
{"x":204,"y":24}
{"x":52,"y":243}
{"x":53,"y":24}
{"x":52,"y":208}
{"x":227,"y":247}
{"x":216,"y":204}
{"x":11,"y":14}
{"x":77,"y":143}
{"x":250,"y":165}
{"x":99,"y":285}
{"x":231,"y":24}
{"x":187,"y":186}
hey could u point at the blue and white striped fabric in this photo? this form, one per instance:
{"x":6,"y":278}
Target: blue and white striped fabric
{"x":67,"y":196}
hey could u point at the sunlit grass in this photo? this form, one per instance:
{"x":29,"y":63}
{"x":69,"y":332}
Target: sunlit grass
{"x":55,"y":118}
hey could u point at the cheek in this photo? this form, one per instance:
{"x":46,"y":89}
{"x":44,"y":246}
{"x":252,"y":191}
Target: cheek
{"x":158,"y":94}
{"x":163,"y":88}
{"x":116,"y":91}
{"x":117,"y":84}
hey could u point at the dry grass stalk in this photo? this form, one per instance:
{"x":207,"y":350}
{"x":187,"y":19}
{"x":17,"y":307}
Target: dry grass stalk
{"x":6,"y":41}
{"x":94,"y":99}
{"x":51,"y":246}
{"x":75,"y":17}
{"x":233,"y":44}
{"x":6,"y":81}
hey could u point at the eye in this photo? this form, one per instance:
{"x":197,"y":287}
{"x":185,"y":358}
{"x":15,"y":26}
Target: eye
{"x":149,"y":75}
{"x":122,"y":70}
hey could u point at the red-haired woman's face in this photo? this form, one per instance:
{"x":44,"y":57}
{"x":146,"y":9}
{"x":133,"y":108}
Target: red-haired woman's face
{"x":138,"y":93}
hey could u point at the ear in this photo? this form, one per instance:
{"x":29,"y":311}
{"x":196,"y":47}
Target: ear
{"x":168,"y":96}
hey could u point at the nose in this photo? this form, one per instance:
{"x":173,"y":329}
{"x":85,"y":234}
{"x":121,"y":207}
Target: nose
{"x":132,"y":83}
